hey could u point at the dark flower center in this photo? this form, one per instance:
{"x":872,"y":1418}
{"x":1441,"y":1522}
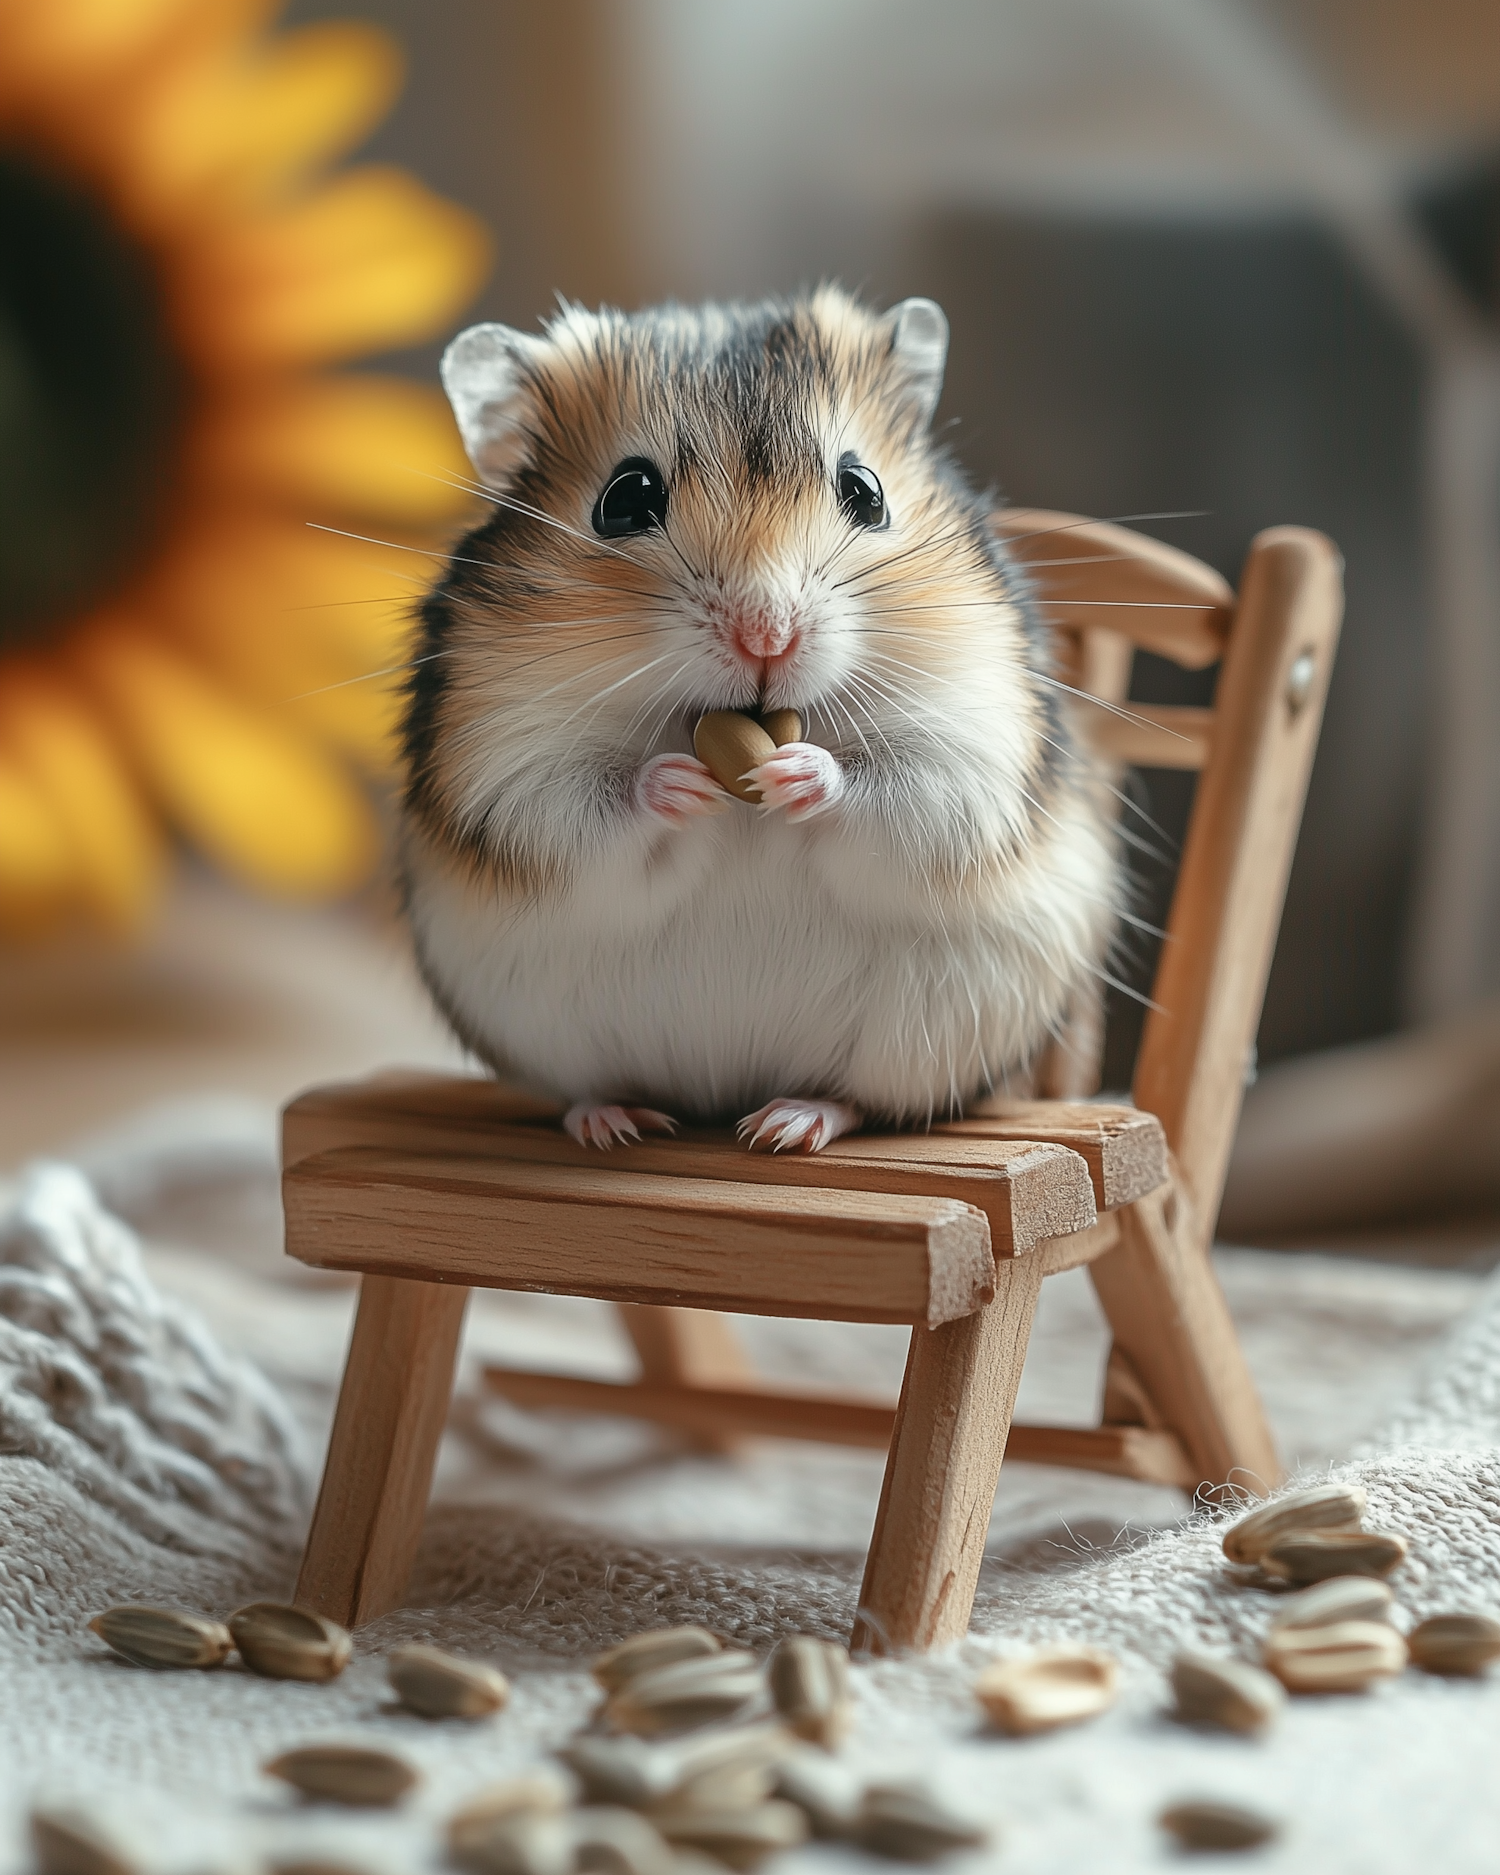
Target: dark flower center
{"x":91,"y":395}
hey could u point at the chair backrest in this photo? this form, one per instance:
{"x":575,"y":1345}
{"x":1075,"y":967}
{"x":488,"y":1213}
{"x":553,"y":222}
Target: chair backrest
{"x":1109,"y":591}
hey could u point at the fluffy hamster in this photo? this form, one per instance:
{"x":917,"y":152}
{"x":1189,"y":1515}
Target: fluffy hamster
{"x":737,"y":507}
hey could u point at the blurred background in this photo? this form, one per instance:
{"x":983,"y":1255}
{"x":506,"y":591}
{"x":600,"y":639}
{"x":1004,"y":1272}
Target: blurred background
{"x":1210,"y":265}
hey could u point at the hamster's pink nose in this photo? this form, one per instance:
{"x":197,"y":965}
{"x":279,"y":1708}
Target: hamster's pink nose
{"x":759,"y":634}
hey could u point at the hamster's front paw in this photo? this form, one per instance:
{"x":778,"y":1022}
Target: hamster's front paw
{"x":610,"y":1126}
{"x":675,"y":788}
{"x":800,"y":778}
{"x":798,"y":1125}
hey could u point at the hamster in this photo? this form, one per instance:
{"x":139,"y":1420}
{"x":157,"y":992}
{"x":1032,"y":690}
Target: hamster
{"x":740,"y":507}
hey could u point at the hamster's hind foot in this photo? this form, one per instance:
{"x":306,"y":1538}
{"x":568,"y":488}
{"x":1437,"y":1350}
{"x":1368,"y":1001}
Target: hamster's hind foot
{"x":615,"y":1126}
{"x":798,"y":1125}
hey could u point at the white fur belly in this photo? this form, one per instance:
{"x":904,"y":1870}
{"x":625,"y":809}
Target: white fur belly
{"x":733,"y":978}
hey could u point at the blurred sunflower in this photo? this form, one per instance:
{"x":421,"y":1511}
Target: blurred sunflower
{"x":176,"y":644}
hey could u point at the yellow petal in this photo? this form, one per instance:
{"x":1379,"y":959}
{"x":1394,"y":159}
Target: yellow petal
{"x":372,"y":446}
{"x":257,"y":798}
{"x":59,"y":742}
{"x":373,"y":259}
{"x":37,"y":863}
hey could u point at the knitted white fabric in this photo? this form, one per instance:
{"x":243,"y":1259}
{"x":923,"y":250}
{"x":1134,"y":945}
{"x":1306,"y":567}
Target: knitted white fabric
{"x":144,"y":1463}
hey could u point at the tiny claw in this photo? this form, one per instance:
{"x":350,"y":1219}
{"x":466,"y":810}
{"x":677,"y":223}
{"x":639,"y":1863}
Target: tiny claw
{"x":789,"y":1125}
{"x":611,"y":1126}
{"x":678,"y":788}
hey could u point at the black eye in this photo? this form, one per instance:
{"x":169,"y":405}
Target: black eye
{"x":860,"y":494}
{"x":634,"y":498}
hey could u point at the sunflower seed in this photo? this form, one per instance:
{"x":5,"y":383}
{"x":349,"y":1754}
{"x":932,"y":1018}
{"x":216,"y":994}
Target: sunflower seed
{"x":1225,"y":1693}
{"x":1054,"y":1686}
{"x":441,"y":1686}
{"x":904,"y":1823}
{"x":1210,"y":1825}
{"x":1454,"y":1643}
{"x":810,"y":1685}
{"x":1324,"y":1507}
{"x":628,"y":1770}
{"x":1316,"y":1555}
{"x":68,"y":1842}
{"x":1345,"y":1658}
{"x":643,"y":1653}
{"x":284,"y":1642}
{"x":687,"y":1693}
{"x":727,"y":1787}
{"x":1338,"y":1598}
{"x":618,"y":1842}
{"x":826,"y":1791}
{"x":515,"y":1796}
{"x":526,"y":1842}
{"x":742,"y":1838}
{"x":311,"y":1865}
{"x":163,"y":1637}
{"x":349,"y":1774}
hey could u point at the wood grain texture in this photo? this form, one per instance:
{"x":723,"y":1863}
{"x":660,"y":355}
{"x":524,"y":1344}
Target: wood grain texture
{"x":632,"y":1237}
{"x":1151,"y":735}
{"x":940,"y":1475}
{"x":1238,"y":851}
{"x":1124,"y":1148}
{"x":398,"y":1381}
{"x":1028,"y":1190}
{"x":1172,"y":1325}
{"x":1097,"y":573}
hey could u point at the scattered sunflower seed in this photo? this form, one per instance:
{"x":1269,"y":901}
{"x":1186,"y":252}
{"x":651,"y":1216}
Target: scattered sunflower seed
{"x":826,"y":1792}
{"x":1317,"y":1555}
{"x":1346,"y":1658}
{"x":742,"y":1838}
{"x":441,"y":1686}
{"x":283,"y":1642}
{"x":349,"y":1774}
{"x":687,"y":1693}
{"x":613,"y":1841}
{"x":722,"y":1787}
{"x":1226,"y":1693}
{"x":515,"y":1796}
{"x":163,"y":1637}
{"x":1338,"y":1598}
{"x":1324,"y":1507}
{"x":643,"y":1653}
{"x":810,"y":1685}
{"x":1210,"y":1825}
{"x":906,"y":1824}
{"x":1052,"y":1687}
{"x":1454,"y":1643}
{"x":526,"y":1842}
{"x":68,"y":1842}
{"x":311,"y":1865}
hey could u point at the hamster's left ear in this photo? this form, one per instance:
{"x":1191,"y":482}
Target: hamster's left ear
{"x":919,"y":346}
{"x":485,"y":373}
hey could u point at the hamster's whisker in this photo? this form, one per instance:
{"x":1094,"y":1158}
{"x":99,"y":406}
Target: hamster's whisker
{"x":397,"y":546}
{"x":551,"y":520}
{"x":1114,"y":709}
{"x":365,"y":677}
{"x":961,"y":530}
{"x":1108,"y":520}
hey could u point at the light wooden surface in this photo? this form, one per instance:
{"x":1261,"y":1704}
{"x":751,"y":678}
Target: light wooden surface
{"x":1028,"y":1189}
{"x":398,"y":1381}
{"x":1096,"y":573}
{"x":1236,"y":857}
{"x":632,"y":1237}
{"x":940,"y":1475}
{"x":1151,"y":735}
{"x":1124,"y":1148}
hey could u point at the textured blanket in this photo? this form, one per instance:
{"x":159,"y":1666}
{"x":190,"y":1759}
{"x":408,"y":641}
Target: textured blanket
{"x":161,"y":1410}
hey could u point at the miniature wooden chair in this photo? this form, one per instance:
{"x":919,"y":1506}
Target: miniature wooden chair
{"x":431,"y":1184}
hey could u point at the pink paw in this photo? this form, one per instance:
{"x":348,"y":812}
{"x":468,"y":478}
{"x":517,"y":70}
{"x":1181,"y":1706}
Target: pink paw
{"x":797,"y":1125}
{"x":800,"y":778}
{"x":676,"y":788}
{"x":611,"y":1126}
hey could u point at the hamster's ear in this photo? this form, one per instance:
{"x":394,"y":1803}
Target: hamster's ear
{"x":919,"y":345}
{"x":484,"y":373}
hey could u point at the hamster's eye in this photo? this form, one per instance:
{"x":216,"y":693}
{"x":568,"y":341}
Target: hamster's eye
{"x":860,"y":494}
{"x":633,"y":499}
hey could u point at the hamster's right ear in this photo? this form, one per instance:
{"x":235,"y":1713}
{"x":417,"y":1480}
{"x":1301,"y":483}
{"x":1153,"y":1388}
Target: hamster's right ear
{"x":919,"y":344}
{"x":485,"y":374}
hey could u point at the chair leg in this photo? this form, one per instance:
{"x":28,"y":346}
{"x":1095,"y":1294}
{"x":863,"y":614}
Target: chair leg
{"x":687,"y":1348}
{"x":398,"y":1382}
{"x":944,"y":1464}
{"x":1171,"y":1322}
